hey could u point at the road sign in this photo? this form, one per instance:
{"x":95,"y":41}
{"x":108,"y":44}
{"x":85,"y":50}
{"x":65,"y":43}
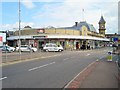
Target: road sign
{"x":115,"y":39}
{"x":3,"y":35}
{"x":0,"y":38}
{"x":109,"y":58}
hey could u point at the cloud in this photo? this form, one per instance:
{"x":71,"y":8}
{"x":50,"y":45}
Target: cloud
{"x":61,"y":13}
{"x":28,"y":3}
{"x":65,"y":0}
{"x":15,"y":26}
{"x":69,"y":11}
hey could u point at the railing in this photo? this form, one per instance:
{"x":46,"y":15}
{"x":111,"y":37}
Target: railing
{"x":118,"y":66}
{"x":118,"y":54}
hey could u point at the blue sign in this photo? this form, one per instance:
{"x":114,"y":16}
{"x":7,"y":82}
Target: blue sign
{"x":115,"y":39}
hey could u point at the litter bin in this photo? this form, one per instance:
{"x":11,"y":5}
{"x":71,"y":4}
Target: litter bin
{"x":109,"y":58}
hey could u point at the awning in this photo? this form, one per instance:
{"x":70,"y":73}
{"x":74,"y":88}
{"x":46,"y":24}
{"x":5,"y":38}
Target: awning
{"x":17,"y":37}
{"x":59,"y":37}
{"x":77,"y":37}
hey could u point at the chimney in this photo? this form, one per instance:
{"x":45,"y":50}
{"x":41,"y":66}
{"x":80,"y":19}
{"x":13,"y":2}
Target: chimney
{"x":76,"y":23}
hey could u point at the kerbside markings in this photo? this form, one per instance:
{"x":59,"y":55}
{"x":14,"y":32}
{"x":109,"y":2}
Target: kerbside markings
{"x":40,"y":66}
{"x":78,"y":75}
{"x":3,"y":78}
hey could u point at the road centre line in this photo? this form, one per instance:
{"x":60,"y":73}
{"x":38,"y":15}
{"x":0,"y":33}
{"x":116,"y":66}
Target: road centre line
{"x":87,"y":54}
{"x":40,"y":66}
{"x":65,"y":59}
{"x":72,"y":57}
{"x":3,"y":78}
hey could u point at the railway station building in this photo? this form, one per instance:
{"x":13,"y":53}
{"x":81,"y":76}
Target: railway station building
{"x":69,"y":37}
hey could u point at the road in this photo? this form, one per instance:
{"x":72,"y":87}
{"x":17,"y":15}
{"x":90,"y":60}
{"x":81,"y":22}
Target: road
{"x":51,"y":72}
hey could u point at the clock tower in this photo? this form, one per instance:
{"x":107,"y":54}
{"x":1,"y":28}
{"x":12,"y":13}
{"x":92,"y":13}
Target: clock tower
{"x":102,"y":25}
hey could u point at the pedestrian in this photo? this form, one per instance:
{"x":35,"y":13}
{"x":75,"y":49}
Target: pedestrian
{"x":83,"y":47}
{"x":88,"y":46}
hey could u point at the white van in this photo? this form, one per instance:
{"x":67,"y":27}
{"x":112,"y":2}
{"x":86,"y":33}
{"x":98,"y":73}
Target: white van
{"x":52,"y":47}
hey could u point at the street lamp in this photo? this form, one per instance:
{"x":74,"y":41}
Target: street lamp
{"x":19,"y":31}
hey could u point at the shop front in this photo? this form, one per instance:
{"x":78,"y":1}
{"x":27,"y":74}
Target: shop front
{"x":69,"y":42}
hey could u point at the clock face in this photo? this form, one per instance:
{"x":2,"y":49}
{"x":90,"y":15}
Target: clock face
{"x":102,"y":26}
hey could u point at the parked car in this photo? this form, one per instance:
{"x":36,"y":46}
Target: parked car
{"x":12,"y":48}
{"x":5,"y":48}
{"x":26,"y":48}
{"x":52,"y":47}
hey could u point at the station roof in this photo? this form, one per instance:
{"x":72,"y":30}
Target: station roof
{"x":90,"y":27}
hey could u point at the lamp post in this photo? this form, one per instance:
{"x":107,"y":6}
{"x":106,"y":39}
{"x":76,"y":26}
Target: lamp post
{"x":19,"y":31}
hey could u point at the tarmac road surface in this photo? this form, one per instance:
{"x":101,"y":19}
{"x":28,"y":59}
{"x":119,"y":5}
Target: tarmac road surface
{"x":52,"y":72}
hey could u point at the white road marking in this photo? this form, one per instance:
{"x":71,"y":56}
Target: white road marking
{"x":72,"y":57}
{"x":3,"y":78}
{"x":57,"y":55}
{"x":87,"y":54}
{"x":65,"y":59}
{"x":40,"y":66}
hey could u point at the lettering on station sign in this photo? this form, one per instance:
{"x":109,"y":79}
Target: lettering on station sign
{"x":39,"y":37}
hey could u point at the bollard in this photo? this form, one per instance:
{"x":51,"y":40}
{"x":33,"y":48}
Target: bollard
{"x":109,"y":58}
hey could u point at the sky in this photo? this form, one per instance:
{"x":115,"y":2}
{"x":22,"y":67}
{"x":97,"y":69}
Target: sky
{"x":58,"y":13}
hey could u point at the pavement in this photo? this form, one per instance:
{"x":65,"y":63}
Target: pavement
{"x":99,"y":74}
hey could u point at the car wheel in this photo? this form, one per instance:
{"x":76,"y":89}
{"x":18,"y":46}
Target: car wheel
{"x":19,"y":50}
{"x":60,"y":50}
{"x":46,"y":50}
{"x":32,"y":50}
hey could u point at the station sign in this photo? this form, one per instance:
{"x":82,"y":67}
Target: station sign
{"x":39,"y":37}
{"x":1,"y":41}
{"x":0,"y":38}
{"x":3,"y":37}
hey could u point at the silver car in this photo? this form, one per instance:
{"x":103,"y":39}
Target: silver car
{"x":26,"y":48}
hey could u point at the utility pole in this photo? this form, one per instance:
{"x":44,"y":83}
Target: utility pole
{"x":19,"y":30}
